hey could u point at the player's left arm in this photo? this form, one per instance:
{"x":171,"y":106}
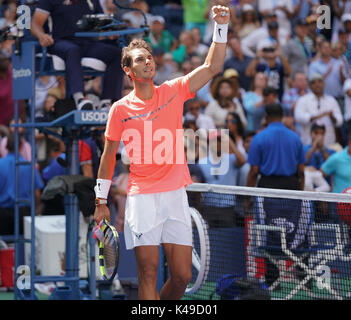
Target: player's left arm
{"x":216,"y":54}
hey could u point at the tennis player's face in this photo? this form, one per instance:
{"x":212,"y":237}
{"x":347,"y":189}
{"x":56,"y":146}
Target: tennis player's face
{"x":143,"y":64}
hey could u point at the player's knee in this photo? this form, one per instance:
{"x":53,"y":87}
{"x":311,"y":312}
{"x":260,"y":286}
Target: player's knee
{"x":182,"y":279}
{"x":148,"y":273}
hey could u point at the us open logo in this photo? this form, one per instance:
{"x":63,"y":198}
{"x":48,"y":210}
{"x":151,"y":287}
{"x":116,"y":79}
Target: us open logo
{"x":94,"y":116}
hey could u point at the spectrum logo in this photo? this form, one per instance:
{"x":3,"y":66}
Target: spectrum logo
{"x":21,"y":73}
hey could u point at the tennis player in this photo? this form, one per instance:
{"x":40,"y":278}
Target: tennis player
{"x":147,"y":120}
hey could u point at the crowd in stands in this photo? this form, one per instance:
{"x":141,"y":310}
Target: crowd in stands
{"x":276,"y":52}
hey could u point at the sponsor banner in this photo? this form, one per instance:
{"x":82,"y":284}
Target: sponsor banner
{"x":23,"y":72}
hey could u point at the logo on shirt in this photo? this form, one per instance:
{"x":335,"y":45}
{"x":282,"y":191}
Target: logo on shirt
{"x":138,"y":235}
{"x":145,"y":115}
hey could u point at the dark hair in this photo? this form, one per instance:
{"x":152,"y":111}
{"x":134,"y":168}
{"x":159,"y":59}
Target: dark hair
{"x":274,"y":110}
{"x":316,"y":126}
{"x":238,"y":122}
{"x":11,"y":142}
{"x":215,"y":85}
{"x":269,"y":90}
{"x":126,"y":60}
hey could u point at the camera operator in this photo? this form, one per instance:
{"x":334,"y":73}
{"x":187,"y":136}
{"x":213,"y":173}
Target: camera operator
{"x":63,"y":43}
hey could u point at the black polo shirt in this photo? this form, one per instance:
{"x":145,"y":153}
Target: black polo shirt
{"x":66,"y":13}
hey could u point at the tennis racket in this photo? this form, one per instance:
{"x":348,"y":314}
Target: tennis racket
{"x":109,"y":247}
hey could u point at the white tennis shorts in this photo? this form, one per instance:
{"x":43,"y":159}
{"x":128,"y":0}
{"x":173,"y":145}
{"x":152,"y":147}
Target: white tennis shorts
{"x":155,"y":218}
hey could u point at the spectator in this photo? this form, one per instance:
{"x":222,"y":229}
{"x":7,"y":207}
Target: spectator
{"x":245,"y":169}
{"x":313,"y":37}
{"x":236,"y":130}
{"x":344,"y":25}
{"x":339,"y":53}
{"x":185,"y":67}
{"x":186,"y":48}
{"x":135,"y":18}
{"x":248,"y":21}
{"x":25,"y":149}
{"x":314,"y":180}
{"x":42,"y":85}
{"x":299,"y":87}
{"x":204,"y":94}
{"x":253,"y":100}
{"x":270,"y":60}
{"x":7,"y":190}
{"x":284,"y":10}
{"x":269,"y":96}
{"x":316,"y":153}
{"x":203,"y":121}
{"x":338,"y":166}
{"x":90,"y":151}
{"x":65,"y":45}
{"x":239,"y":61}
{"x":54,"y":94}
{"x":223,"y":94}
{"x":233,"y":76}
{"x":331,"y":69}
{"x":222,"y":164}
{"x":201,"y":49}
{"x":296,"y":50}
{"x":194,"y":14}
{"x":56,"y":161}
{"x":9,"y":18}
{"x":159,"y":37}
{"x":163,"y":71}
{"x":269,"y":31}
{"x":6,"y":102}
{"x":192,"y":151}
{"x":302,"y":9}
{"x":317,"y":105}
{"x":347,"y":110}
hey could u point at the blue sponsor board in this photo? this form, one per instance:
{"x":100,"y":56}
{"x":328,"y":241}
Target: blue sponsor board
{"x":23,"y":72}
{"x":85,"y":117}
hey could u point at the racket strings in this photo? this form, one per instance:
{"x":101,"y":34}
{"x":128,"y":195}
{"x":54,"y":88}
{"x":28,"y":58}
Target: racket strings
{"x":110,"y":252}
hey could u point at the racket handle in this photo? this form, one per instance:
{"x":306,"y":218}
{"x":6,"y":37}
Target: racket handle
{"x":98,"y":234}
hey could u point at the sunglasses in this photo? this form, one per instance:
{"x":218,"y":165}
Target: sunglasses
{"x":268,"y":49}
{"x":231,"y":121}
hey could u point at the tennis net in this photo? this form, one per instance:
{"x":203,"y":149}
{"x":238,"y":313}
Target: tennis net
{"x":255,"y":243}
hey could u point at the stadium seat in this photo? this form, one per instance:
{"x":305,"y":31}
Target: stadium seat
{"x":287,"y":232}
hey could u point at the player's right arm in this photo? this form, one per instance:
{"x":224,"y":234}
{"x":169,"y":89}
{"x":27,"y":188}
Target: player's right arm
{"x":215,"y":58}
{"x":37,"y":28}
{"x":106,"y":169}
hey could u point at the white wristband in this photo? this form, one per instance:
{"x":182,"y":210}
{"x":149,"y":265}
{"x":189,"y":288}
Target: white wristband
{"x":220,"y":33}
{"x":102,"y":188}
